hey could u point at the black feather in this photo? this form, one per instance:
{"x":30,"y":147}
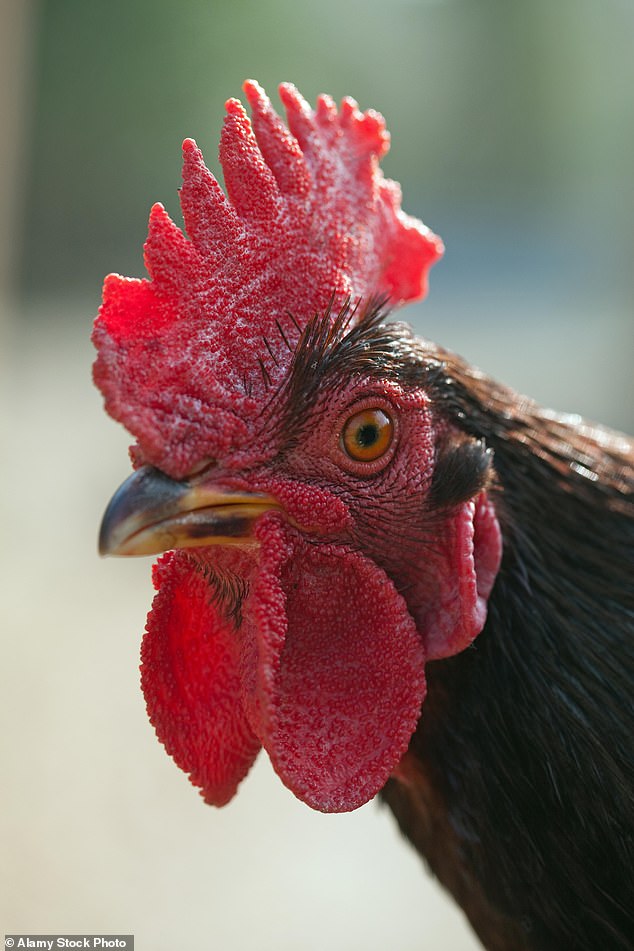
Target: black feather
{"x":462,"y":470}
{"x":518,"y":788}
{"x":522,"y":799}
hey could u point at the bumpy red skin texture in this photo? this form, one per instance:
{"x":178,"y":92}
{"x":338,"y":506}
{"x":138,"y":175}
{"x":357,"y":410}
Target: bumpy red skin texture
{"x":303,"y":644}
{"x":309,"y":217}
{"x":190,"y":675}
{"x":336,"y":715}
{"x":305,"y":675}
{"x":325,"y":668}
{"x":451,"y":610}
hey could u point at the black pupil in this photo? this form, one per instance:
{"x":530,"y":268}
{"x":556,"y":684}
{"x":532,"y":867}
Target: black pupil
{"x":367,"y":435}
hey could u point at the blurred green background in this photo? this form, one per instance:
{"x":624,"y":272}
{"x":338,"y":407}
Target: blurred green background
{"x":513,"y":138}
{"x":512,"y":126}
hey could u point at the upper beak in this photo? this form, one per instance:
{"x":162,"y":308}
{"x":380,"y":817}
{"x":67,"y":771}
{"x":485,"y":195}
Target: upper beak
{"x":151,"y":513}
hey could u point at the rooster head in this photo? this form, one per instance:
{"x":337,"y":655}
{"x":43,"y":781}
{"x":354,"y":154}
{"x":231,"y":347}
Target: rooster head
{"x":285,"y":459}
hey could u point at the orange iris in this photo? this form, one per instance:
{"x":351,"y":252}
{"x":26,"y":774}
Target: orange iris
{"x":367,"y":435}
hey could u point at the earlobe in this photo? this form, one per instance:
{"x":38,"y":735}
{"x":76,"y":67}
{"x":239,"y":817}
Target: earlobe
{"x":487,"y":547}
{"x":471,"y":556}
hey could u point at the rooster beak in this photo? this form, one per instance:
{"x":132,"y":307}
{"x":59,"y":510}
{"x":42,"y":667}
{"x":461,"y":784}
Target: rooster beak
{"x":151,"y":513}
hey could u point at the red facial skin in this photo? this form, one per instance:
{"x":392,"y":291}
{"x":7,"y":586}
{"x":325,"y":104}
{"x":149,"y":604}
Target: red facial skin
{"x":326,"y":667}
{"x":313,"y":642}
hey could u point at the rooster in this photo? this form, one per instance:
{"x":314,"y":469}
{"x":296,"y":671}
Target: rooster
{"x":394,"y":574}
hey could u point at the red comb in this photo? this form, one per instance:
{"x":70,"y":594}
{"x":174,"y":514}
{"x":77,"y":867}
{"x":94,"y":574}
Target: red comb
{"x":309,"y":219}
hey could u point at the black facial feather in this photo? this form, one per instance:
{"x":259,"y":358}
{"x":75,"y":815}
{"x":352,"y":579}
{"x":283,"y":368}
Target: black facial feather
{"x":583,"y":459}
{"x":462,"y":470}
{"x":283,"y":336}
{"x":527,"y":739}
{"x":265,"y":373}
{"x":227,"y":590}
{"x":354,"y":344}
{"x":270,"y":350}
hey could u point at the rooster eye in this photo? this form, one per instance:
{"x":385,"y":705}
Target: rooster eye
{"x":367,"y":435}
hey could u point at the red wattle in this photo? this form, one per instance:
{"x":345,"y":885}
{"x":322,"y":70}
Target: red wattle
{"x":189,"y":675}
{"x":340,"y":678}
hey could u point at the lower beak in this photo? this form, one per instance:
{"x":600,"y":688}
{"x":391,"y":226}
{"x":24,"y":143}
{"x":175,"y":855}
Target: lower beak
{"x":151,"y":513}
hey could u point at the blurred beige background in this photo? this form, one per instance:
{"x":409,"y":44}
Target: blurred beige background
{"x":513,"y":137}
